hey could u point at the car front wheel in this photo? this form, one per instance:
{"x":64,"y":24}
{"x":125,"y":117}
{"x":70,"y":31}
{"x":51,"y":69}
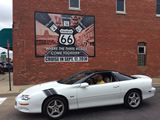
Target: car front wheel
{"x":133,"y":99}
{"x":55,"y":107}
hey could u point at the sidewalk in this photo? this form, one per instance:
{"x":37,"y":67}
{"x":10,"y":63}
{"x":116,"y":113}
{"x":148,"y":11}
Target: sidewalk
{"x":4,"y":85}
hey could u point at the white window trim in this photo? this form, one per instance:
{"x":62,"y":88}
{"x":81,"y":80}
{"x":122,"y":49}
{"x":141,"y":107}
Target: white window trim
{"x":144,"y":50}
{"x":74,"y":8}
{"x":121,"y":12}
{"x":157,"y":15}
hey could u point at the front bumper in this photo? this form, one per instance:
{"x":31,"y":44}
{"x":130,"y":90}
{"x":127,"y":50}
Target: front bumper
{"x":33,"y":105}
{"x":22,"y":106}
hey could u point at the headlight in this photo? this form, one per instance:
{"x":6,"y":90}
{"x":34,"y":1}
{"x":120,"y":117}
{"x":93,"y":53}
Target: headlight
{"x":25,"y":97}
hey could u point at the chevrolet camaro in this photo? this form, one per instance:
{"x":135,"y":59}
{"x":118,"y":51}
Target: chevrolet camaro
{"x":83,"y":90}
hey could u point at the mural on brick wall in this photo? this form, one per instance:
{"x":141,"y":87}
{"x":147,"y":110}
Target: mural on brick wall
{"x":64,"y":37}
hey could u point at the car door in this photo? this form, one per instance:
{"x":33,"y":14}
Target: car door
{"x":98,"y":95}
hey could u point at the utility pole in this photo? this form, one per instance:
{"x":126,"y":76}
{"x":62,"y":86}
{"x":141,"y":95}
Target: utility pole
{"x":9,"y":67}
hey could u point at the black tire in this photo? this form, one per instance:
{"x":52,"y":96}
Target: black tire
{"x":55,"y":107}
{"x":133,"y":99}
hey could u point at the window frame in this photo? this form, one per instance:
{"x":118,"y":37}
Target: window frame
{"x":158,"y":15}
{"x":104,"y":74}
{"x":142,"y":56}
{"x":121,"y":12}
{"x":142,"y":47}
{"x":74,"y":8}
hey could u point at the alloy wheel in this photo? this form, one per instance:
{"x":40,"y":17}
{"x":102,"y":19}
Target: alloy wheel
{"x":55,"y":108}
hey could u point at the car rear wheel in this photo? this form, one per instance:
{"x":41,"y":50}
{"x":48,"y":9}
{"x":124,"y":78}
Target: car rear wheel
{"x":55,"y":107}
{"x":133,"y":99}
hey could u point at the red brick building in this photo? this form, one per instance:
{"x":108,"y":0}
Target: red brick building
{"x":124,"y":37}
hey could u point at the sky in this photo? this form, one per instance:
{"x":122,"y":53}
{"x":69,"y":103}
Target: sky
{"x":6,"y":10}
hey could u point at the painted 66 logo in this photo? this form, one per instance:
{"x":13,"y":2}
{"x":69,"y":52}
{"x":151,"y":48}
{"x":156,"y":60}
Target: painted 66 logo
{"x":66,"y":37}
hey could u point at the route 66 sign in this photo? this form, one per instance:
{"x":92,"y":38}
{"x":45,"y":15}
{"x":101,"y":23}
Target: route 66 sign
{"x":66,"y":37}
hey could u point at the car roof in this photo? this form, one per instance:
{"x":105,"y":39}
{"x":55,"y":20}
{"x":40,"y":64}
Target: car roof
{"x":99,"y":70}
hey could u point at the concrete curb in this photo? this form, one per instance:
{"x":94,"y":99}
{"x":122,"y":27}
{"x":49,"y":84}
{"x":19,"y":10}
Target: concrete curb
{"x":9,"y":94}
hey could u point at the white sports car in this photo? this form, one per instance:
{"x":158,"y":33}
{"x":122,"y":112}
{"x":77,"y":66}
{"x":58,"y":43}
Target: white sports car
{"x":83,"y":90}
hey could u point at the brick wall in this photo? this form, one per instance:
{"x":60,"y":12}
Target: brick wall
{"x":116,"y":39}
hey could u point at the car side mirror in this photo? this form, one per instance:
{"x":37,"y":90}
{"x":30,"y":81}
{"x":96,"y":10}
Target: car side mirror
{"x":84,"y":85}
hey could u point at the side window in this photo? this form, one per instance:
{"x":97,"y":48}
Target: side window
{"x":95,"y":79}
{"x":90,"y":81}
{"x":108,"y":78}
{"x":123,"y":77}
{"x":101,"y":78}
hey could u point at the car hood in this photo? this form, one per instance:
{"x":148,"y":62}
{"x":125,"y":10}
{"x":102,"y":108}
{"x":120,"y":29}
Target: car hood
{"x":41,"y":87}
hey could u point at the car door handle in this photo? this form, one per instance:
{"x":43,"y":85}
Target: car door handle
{"x":115,"y":86}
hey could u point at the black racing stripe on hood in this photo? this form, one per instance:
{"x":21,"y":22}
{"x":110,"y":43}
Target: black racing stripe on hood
{"x":49,"y":92}
{"x":46,"y":92}
{"x":52,"y":91}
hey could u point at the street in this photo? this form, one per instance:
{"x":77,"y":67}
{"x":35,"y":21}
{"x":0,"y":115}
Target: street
{"x":149,"y":110}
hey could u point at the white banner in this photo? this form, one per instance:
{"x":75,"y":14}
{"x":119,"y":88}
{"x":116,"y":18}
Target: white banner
{"x":66,"y":59}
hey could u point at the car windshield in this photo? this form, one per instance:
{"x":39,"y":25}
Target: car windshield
{"x":75,"y":78}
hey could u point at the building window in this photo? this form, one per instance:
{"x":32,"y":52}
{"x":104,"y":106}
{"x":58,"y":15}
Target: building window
{"x":141,"y":54}
{"x":121,"y":6}
{"x":74,"y":4}
{"x":158,"y":7}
